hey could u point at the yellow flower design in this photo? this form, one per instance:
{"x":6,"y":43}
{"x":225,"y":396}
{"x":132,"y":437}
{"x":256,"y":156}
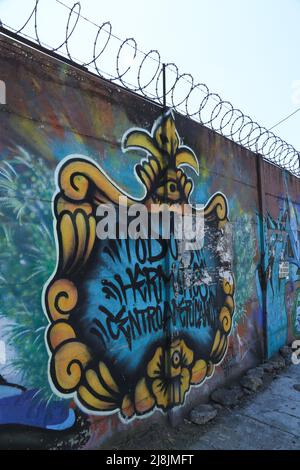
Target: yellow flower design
{"x":161,"y":174}
{"x":170,"y":373}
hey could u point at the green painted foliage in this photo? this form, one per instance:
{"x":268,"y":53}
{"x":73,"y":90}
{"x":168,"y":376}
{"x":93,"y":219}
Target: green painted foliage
{"x":27,"y":259}
{"x":244,"y":266}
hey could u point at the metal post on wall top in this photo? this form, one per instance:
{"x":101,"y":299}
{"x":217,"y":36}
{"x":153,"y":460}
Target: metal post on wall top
{"x":168,"y":330}
{"x":263,"y":265}
{"x":164,"y":87}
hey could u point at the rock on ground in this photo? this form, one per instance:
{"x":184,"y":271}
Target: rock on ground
{"x":256,"y":372}
{"x":286,"y":352}
{"x":251,"y":382}
{"x":268,"y":367}
{"x":278,"y":362}
{"x":203,"y":414}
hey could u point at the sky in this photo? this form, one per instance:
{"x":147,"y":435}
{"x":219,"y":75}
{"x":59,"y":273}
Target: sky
{"x":247,"y":51}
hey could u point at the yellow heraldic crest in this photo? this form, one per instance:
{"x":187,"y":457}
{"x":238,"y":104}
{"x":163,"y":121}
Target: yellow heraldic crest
{"x":170,"y":369}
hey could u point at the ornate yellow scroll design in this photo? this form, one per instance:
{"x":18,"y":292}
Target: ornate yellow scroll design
{"x":82,"y":186}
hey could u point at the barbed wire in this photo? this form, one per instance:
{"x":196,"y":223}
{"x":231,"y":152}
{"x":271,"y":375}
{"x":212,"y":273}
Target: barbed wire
{"x":142,"y":73}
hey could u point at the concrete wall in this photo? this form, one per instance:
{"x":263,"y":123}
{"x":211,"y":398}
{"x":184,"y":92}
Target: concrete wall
{"x":99,"y":337}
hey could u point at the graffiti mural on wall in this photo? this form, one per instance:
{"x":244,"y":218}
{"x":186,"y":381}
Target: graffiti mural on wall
{"x":282,"y":243}
{"x":135,"y":323}
{"x":124,"y":327}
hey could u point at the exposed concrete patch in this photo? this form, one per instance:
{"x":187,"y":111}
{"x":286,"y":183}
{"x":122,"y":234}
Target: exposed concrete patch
{"x":274,"y":418}
{"x":242,"y":432}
